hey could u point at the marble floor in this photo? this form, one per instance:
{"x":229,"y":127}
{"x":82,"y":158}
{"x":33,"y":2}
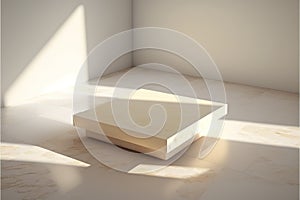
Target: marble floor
{"x":257,"y":156}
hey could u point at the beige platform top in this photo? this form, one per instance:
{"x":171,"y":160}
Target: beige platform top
{"x":148,"y":113}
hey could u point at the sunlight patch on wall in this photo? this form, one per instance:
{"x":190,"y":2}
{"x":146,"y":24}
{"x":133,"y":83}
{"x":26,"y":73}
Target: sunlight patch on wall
{"x":57,"y":64}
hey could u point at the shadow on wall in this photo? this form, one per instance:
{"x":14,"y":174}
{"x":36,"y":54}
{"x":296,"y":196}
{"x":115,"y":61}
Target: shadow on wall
{"x":45,"y":43}
{"x":38,"y":57}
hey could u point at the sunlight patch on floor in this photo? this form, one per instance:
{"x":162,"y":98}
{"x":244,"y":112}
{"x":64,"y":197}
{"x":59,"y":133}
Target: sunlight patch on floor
{"x":31,"y":153}
{"x":177,"y":172}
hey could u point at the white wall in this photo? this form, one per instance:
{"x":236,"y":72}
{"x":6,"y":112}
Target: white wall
{"x":44,"y":42}
{"x":253,"y":42}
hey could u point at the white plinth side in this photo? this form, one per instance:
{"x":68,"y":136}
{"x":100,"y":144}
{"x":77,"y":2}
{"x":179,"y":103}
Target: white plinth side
{"x":185,"y":120}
